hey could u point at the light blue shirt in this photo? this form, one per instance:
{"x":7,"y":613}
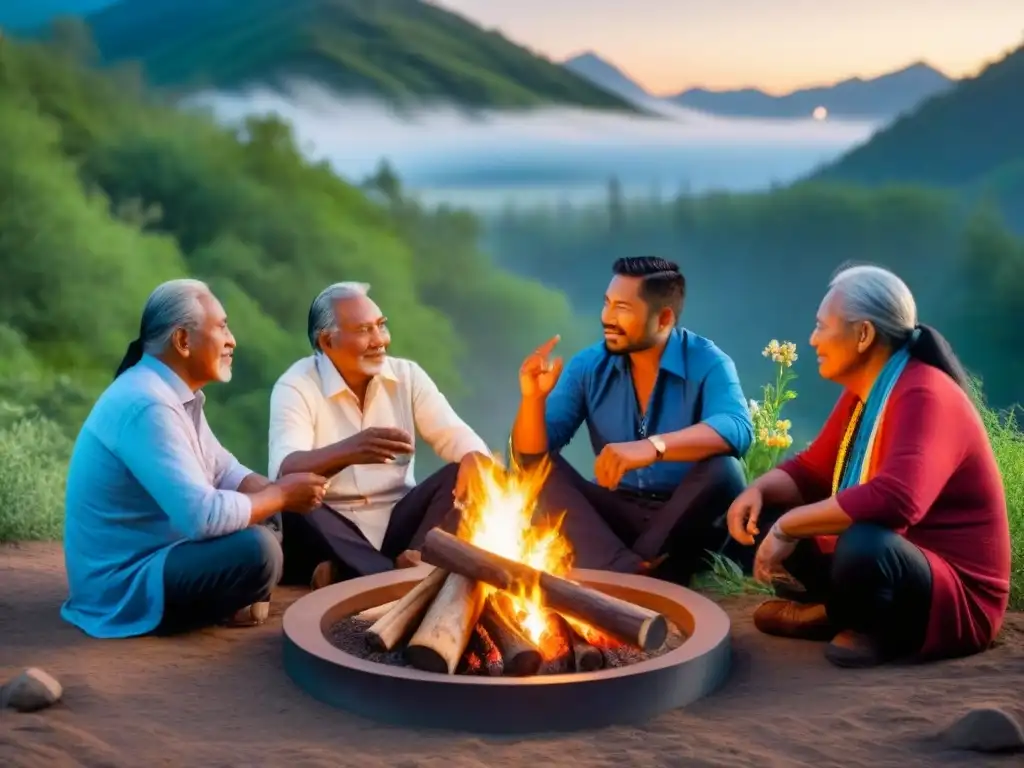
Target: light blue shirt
{"x":146,"y":475}
{"x":697,"y":384}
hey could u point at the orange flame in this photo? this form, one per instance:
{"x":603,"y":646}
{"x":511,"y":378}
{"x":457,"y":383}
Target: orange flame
{"x":498,"y":517}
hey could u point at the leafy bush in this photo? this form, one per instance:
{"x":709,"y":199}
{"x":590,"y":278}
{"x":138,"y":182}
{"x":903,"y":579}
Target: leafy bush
{"x":34,"y":453}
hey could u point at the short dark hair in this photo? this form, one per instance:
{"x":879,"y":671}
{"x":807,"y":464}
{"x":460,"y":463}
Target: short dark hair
{"x":662,"y":284}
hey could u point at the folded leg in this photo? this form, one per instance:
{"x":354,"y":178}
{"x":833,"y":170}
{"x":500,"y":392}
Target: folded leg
{"x":206,"y":582}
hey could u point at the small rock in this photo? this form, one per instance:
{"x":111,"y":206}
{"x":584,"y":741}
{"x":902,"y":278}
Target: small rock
{"x":32,"y":690}
{"x":986,"y":729}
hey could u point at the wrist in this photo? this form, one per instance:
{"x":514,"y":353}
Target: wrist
{"x":658,"y":447}
{"x":781,"y":535}
{"x":342,"y":457}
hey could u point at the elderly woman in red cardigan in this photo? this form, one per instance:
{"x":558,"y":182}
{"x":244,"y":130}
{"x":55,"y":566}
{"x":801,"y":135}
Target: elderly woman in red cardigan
{"x":894,"y":540}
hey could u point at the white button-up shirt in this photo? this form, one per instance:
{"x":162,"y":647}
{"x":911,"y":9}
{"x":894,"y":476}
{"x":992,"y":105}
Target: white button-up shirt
{"x":312,"y":407}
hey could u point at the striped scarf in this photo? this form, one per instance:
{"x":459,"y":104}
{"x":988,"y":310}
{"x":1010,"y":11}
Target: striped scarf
{"x":855,"y":466}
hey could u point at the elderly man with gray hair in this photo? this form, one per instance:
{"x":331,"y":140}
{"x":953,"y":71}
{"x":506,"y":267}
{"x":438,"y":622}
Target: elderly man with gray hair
{"x":350,"y":412}
{"x":163,"y":526}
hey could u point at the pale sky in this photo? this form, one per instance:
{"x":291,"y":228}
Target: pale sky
{"x":778,"y":45}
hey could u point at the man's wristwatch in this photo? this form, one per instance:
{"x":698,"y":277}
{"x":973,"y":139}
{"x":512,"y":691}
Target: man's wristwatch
{"x":659,"y":446}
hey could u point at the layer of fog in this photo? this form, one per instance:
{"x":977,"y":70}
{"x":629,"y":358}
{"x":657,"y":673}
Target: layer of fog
{"x":485,"y":158}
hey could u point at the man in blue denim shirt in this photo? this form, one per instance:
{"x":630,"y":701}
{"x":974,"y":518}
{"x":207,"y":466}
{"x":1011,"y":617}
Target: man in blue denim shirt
{"x":668,"y":422}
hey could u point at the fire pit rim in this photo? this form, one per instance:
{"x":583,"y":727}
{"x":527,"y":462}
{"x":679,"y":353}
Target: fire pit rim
{"x":303,"y":627}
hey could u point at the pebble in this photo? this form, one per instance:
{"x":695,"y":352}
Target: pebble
{"x":30,"y":691}
{"x":986,"y":729}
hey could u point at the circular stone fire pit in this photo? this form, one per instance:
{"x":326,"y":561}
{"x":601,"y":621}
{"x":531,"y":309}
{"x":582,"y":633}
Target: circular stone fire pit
{"x":413,"y":698}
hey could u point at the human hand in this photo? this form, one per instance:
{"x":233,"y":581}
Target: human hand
{"x":768,"y":562}
{"x":616,"y":459}
{"x":378,"y":445}
{"x":303,"y":491}
{"x":743,"y":515}
{"x":472,"y":465}
{"x":538,"y":374}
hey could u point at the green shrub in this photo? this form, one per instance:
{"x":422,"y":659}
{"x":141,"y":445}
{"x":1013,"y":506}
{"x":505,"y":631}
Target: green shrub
{"x":34,"y":454}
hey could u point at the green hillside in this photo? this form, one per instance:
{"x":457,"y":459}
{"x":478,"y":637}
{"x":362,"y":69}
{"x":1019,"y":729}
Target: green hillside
{"x":953,"y":139}
{"x":402,"y":50}
{"x":103,"y":195}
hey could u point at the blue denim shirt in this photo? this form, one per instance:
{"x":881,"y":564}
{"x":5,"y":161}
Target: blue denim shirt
{"x":697,"y":383}
{"x":146,"y":474}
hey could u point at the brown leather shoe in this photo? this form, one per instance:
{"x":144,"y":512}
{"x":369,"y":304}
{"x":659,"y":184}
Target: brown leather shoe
{"x":791,"y":589}
{"x":854,"y":650}
{"x":785,"y":618}
{"x":324,"y":575}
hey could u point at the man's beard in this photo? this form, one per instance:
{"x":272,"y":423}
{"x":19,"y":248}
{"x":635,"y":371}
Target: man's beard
{"x":630,"y":347}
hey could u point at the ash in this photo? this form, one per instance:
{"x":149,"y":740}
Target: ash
{"x":349,"y":635}
{"x":620,"y":655}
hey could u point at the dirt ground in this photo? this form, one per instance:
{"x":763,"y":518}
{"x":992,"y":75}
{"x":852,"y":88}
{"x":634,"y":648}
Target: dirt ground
{"x":221,"y":698}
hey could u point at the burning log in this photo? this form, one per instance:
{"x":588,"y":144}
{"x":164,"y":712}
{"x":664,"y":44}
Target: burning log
{"x":520,"y":657}
{"x":558,"y":645}
{"x":470,"y":664}
{"x":443,"y":634}
{"x":588,"y":658}
{"x":405,"y":614}
{"x":622,"y":620}
{"x":482,"y":656}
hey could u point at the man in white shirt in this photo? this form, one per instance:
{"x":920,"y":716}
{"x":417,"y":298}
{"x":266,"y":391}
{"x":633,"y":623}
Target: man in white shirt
{"x":350,"y":413}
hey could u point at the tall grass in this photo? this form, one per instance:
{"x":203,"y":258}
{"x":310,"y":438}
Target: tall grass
{"x":1008,"y":443}
{"x":33,"y":468}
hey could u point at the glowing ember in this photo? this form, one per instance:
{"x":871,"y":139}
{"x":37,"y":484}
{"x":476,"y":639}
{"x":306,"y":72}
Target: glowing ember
{"x":499,"y":518}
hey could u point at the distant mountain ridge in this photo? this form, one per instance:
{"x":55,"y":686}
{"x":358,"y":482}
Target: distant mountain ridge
{"x":405,"y":51}
{"x":886,"y":96}
{"x":974,"y":130}
{"x":882,"y":97}
{"x":606,"y":75}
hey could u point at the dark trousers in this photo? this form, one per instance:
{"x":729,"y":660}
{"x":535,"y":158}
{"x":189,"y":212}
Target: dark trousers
{"x":324,"y":535}
{"x":206,"y":581}
{"x":617,"y":530}
{"x":876,"y":582}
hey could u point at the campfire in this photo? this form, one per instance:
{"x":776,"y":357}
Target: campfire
{"x":498,"y":600}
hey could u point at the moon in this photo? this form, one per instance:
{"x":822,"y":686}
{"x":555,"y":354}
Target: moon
{"x":819,"y":113}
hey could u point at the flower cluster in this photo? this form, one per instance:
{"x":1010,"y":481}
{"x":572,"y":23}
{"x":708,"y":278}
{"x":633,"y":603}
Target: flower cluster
{"x":771,"y":431}
{"x":776,"y":436}
{"x":784,"y":353}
